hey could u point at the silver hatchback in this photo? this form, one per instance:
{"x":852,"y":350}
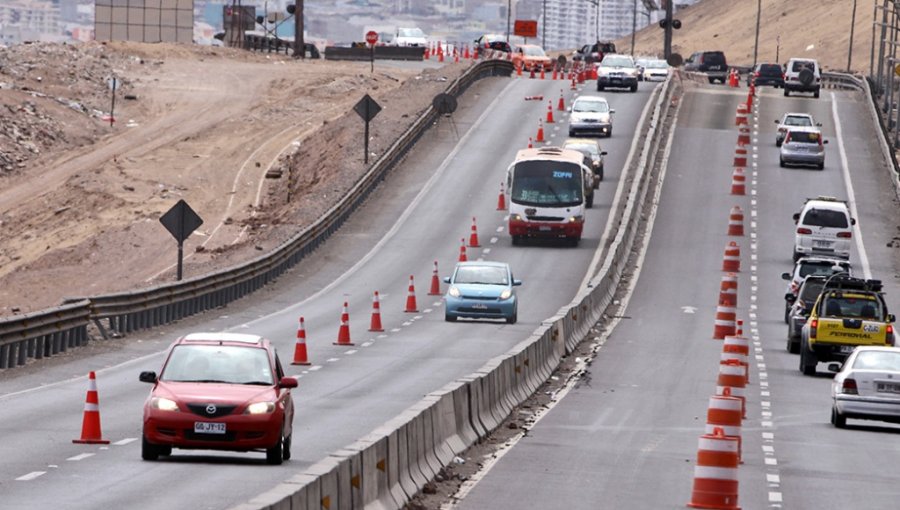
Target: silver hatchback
{"x":803,"y":146}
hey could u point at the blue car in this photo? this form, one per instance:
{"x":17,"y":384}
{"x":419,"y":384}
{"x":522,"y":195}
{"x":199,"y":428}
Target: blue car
{"x":481,"y":290}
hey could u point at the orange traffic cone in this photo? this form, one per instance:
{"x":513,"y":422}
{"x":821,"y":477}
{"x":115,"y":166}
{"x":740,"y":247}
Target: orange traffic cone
{"x":743,"y":136}
{"x":732,"y":260}
{"x":440,"y":55}
{"x":738,"y":182}
{"x":300,"y":355}
{"x":728,"y":289}
{"x":716,"y":472}
{"x":375,"y":324}
{"x":740,"y":118}
{"x":573,"y":87}
{"x":740,"y":157}
{"x":344,"y":331}
{"x":736,"y":221}
{"x":553,"y":76}
{"x":466,"y":54}
{"x":733,"y":378}
{"x":530,"y":144}
{"x":90,"y":424}
{"x":501,"y":198}
{"x":531,"y":75}
{"x":473,"y":237}
{"x":540,"y":133}
{"x":519,"y":68}
{"x":542,"y":72}
{"x":462,"y":251}
{"x":411,"y":297}
{"x":725,"y":316}
{"x":550,"y":112}
{"x":561,"y":106}
{"x":427,"y":53}
{"x":435,"y":282}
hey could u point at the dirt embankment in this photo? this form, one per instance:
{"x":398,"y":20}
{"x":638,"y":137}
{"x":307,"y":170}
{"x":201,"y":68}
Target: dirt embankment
{"x":80,"y":200}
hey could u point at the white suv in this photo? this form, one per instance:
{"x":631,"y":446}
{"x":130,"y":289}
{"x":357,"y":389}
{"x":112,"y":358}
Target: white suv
{"x":802,"y":75}
{"x":824,"y":227}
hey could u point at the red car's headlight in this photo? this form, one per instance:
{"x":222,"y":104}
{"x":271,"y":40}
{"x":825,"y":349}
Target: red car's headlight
{"x":163,"y":404}
{"x":260,"y":408}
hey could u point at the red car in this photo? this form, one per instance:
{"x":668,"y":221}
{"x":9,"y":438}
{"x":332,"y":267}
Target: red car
{"x":219,"y":391}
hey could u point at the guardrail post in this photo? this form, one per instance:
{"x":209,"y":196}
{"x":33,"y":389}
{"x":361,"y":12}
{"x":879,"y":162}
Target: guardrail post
{"x":4,"y":356}
{"x":23,"y":351}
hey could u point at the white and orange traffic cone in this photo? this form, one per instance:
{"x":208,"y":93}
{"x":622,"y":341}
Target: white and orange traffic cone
{"x":743,"y":136}
{"x":740,"y":157}
{"x":344,"y":330}
{"x":501,"y":198}
{"x":561,"y":105}
{"x":740,"y":118}
{"x":550,"y":113}
{"x":435,"y":282}
{"x":411,"y":306}
{"x":738,"y":182}
{"x":473,"y":237}
{"x":300,"y":354}
{"x":530,"y":144}
{"x":375,"y":323}
{"x":462,"y":251}
{"x":736,"y":222}
{"x":716,"y":473}
{"x":733,"y":378}
{"x":725,"y":317}
{"x":728,"y":290}
{"x":90,"y":423}
{"x":540,"y":132}
{"x":731,"y":262}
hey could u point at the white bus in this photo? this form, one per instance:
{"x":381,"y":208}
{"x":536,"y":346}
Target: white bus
{"x":548,"y":189}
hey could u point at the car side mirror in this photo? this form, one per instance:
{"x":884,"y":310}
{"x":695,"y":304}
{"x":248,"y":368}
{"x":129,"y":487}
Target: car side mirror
{"x":149,"y":377}
{"x":612,"y":110}
{"x":777,"y":121}
{"x":819,"y":124}
{"x":853,"y":221}
{"x":824,"y":141}
{"x":569,"y":109}
{"x":790,"y":298}
{"x":834,"y":367}
{"x":785,"y":276}
{"x":891,"y":318}
{"x":516,"y":283}
{"x":446,"y":279}
{"x":797,"y":217}
{"x":287,"y":382}
{"x":603,"y":153}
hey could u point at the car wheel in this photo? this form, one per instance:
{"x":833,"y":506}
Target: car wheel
{"x":452,"y":318}
{"x":571,"y":133}
{"x":838,"y":419}
{"x":516,"y":240}
{"x":816,"y":94}
{"x":808,"y":359}
{"x":589,"y":201}
{"x":600,"y":174}
{"x":512,"y":319}
{"x":634,"y":88}
{"x":149,"y":451}
{"x":777,"y":143}
{"x":796,"y":256}
{"x":786,"y":93}
{"x":781,"y":162}
{"x":793,"y":345}
{"x":712,"y":80}
{"x":275,"y":454}
{"x":164,"y":451}
{"x":787,"y":313}
{"x":821,"y":166}
{"x":286,"y":448}
{"x":600,"y":88}
{"x":573,"y":241}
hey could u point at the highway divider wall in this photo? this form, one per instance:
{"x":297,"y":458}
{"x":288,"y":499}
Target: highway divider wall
{"x":387,"y":467}
{"x":48,"y":332}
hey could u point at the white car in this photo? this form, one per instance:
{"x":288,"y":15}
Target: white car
{"x":867,"y":387}
{"x":656,"y":70}
{"x":591,"y":115}
{"x":823,"y":227}
{"x":802,"y":75}
{"x":617,"y":71}
{"x":410,"y":37}
{"x":790,"y":120}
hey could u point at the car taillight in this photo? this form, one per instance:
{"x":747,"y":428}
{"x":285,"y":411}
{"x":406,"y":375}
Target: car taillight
{"x":849,"y":387}
{"x":813,"y":327}
{"x":802,"y":230}
{"x":757,"y":74}
{"x":889,"y":335}
{"x":844,"y":235}
{"x":794,"y":287}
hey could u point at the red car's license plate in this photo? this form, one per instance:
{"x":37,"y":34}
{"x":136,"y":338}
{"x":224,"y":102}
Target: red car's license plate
{"x":202,"y":427}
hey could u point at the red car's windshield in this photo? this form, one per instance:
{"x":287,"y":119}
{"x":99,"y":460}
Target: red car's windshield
{"x":218,"y":363}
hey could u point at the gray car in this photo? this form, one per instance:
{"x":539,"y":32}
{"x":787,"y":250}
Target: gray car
{"x":803,"y":145}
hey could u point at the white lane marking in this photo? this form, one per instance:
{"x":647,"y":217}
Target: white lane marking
{"x":366,"y":344}
{"x":81,"y":456}
{"x":499,"y":229}
{"x":768,"y":435}
{"x":30,"y":476}
{"x":470,"y":484}
{"x":494,"y":240}
{"x":315,"y":368}
{"x":771,"y":461}
{"x":332,"y":360}
{"x":774,"y":497}
{"x":851,"y":196}
{"x":351,"y":352}
{"x":771,"y":478}
{"x":768,"y":449}
{"x":125,"y":441}
{"x":486,"y":251}
{"x":395,"y":330}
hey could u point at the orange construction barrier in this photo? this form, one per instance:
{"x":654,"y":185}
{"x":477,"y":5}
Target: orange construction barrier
{"x":553,"y":76}
{"x":501,"y":198}
{"x":740,"y":157}
{"x":375,"y":323}
{"x":411,"y":297}
{"x":736,"y":221}
{"x":344,"y":330}
{"x":542,"y":73}
{"x":737,"y":347}
{"x":733,"y":376}
{"x":716,"y":472}
{"x":90,"y":423}
{"x":738,"y":182}
{"x":725,"y":412}
{"x":728,"y":290}
{"x":300,"y":354}
{"x":725,"y":317}
{"x":473,"y":237}
{"x":743,"y":136}
{"x":435,"y":281}
{"x":741,"y":116}
{"x":731,"y":262}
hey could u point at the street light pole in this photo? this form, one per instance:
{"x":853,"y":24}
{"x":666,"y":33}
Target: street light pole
{"x":544,"y":27}
{"x":633,"y":27}
{"x":756,"y":44}
{"x":508,"y":17}
{"x":852,"y":26}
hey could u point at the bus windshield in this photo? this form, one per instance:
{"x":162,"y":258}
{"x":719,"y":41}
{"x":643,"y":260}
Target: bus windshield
{"x":547,"y":184}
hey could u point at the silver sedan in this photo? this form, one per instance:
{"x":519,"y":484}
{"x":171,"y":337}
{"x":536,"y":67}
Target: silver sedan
{"x":803,"y":146}
{"x":867,"y":387}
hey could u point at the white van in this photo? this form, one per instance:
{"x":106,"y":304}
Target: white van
{"x":824,"y":227}
{"x":549,"y":189}
{"x":802,"y":75}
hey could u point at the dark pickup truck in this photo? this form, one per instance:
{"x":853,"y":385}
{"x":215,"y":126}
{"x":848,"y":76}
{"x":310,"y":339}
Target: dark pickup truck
{"x":594,"y":52}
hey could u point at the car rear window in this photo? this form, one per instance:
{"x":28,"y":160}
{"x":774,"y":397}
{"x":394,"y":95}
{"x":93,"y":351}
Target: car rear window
{"x":770,"y":69}
{"x":865,"y":307}
{"x":800,"y":65}
{"x":811,"y":289}
{"x":823,"y":268}
{"x":797,"y":120}
{"x":587,"y":149}
{"x":878,"y":360}
{"x":618,"y":61}
{"x":803,"y":137}
{"x":825,"y":218}
{"x":713,"y":58}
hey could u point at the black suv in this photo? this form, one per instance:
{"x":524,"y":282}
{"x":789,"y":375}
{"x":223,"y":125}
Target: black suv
{"x":712,"y":63}
{"x":594,"y":52}
{"x":766,"y":74}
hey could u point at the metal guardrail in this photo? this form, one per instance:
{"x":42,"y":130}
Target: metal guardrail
{"x":66,"y":326}
{"x":842,"y":81}
{"x":381,"y":53}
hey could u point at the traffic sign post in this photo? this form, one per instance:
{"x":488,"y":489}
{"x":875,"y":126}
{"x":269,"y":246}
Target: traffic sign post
{"x":113,"y":84}
{"x":367,"y":109}
{"x":371,"y":39}
{"x":181,"y":221}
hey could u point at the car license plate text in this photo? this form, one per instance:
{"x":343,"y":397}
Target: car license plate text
{"x":202,"y":427}
{"x":847,"y":349}
{"x":884,"y":387}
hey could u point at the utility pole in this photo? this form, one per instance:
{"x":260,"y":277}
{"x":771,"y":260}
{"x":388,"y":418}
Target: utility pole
{"x":299,"y":43}
{"x":756,"y":44}
{"x":544,"y":28}
{"x":633,"y":27}
{"x":508,"y":18}
{"x":852,"y":26}
{"x":667,"y":38}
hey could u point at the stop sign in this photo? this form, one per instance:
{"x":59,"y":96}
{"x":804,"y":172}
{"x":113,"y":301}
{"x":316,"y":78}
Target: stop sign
{"x":372,"y":37}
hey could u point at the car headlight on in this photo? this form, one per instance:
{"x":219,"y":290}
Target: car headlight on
{"x":515,"y":217}
{"x":163,"y":404}
{"x":576,"y":219}
{"x":260,"y":408}
{"x":506,"y":294}
{"x":453,"y":292}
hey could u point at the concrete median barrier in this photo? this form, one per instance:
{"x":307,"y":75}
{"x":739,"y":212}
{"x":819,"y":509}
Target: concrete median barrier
{"x":405,"y":470}
{"x":376,"y":494}
{"x":349,"y":471}
{"x":448,"y":415}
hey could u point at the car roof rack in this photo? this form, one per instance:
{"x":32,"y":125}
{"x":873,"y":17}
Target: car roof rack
{"x":842,"y":281}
